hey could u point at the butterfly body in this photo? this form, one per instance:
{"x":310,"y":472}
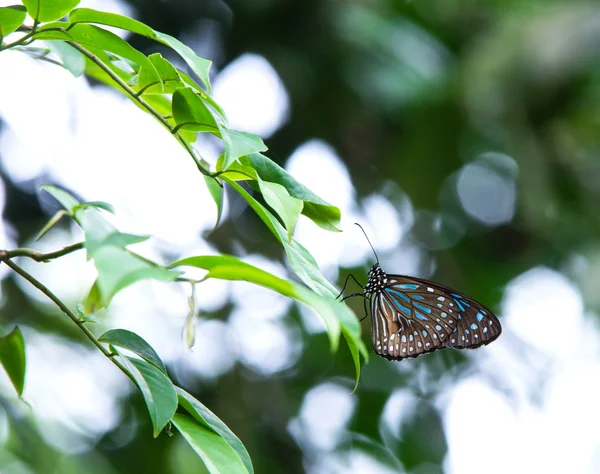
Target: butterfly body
{"x":412,"y":316}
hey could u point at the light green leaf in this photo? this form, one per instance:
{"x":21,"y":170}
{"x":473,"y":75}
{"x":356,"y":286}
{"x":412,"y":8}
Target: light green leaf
{"x":12,"y":358}
{"x":94,"y":37}
{"x":215,"y":188}
{"x":197,"y":64}
{"x":93,"y":300}
{"x":170,"y":78}
{"x":51,"y":223}
{"x":286,"y":206}
{"x":216,"y":454}
{"x":134,"y":343}
{"x":190,"y":112}
{"x":226,"y":267}
{"x":206,"y":417}
{"x":316,"y":209}
{"x":11,"y":18}
{"x":49,"y":10}
{"x":67,"y":201}
{"x":72,"y":60}
{"x":239,"y":144}
{"x":97,"y":204}
{"x":87,"y":15}
{"x":157,"y":389}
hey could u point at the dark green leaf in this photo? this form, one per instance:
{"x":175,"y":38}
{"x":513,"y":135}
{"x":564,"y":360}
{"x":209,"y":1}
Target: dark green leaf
{"x":72,"y":60}
{"x":316,"y":209}
{"x":157,"y":389}
{"x":218,"y":456}
{"x":208,"y":418}
{"x":134,"y":343}
{"x":12,"y":358}
{"x":11,"y":18}
{"x":190,"y":112}
{"x":49,"y":10}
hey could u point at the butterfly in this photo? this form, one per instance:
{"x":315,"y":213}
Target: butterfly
{"x":412,"y":316}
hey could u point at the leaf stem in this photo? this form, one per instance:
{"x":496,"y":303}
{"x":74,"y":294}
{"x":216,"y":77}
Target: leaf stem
{"x":39,"y":256}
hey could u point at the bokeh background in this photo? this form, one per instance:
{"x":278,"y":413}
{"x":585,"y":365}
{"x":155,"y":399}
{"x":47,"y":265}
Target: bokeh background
{"x":463,"y":135}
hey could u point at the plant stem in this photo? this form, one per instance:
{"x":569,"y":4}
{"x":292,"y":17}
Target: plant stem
{"x":38,"y":256}
{"x":40,"y":286}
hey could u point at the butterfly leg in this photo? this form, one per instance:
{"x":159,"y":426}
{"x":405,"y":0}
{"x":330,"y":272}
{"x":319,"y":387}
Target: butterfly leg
{"x":346,"y":283}
{"x":366,"y":313}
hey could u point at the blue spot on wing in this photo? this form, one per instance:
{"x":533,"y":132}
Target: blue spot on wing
{"x":420,"y":316}
{"x":407,"y":287}
{"x":474,"y":326}
{"x":423,"y":308}
{"x":417,"y":297}
{"x":460,"y":306}
{"x":398,"y":293}
{"x":479,"y":316}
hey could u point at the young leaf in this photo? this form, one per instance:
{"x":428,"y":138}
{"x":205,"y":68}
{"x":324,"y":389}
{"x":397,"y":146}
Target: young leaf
{"x":67,"y":201}
{"x":11,"y":18}
{"x":158,"y":391}
{"x":288,"y":207}
{"x":12,"y":358}
{"x":239,"y":144}
{"x":97,"y":204}
{"x":218,"y":456}
{"x":51,"y":223}
{"x":190,"y":112}
{"x":209,"y":419}
{"x":215,"y":188}
{"x":316,"y":209}
{"x":134,"y":343}
{"x":72,"y":60}
{"x":49,"y":10}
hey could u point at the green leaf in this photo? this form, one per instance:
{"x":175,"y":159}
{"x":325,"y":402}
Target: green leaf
{"x":134,"y":343}
{"x":197,"y":64}
{"x":72,"y":60}
{"x":316,"y":209}
{"x":157,"y":389}
{"x":87,"y":15}
{"x":190,"y":112}
{"x":226,"y":267}
{"x":216,"y":454}
{"x":286,"y":206}
{"x":169,"y":76}
{"x":51,"y":223}
{"x":12,"y":358}
{"x":215,"y":188}
{"x":11,"y":18}
{"x":206,"y":417}
{"x":97,"y":204}
{"x":92,"y":301}
{"x":49,"y":10}
{"x":117,"y":267}
{"x":301,"y":261}
{"x":67,"y":201}
{"x":94,"y":37}
{"x":239,"y":144}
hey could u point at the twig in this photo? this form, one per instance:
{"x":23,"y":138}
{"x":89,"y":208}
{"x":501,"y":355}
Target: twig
{"x":39,"y":256}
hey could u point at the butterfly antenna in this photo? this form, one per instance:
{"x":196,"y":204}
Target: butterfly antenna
{"x":368,"y":241}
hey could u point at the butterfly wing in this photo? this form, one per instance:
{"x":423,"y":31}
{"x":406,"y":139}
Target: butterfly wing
{"x":406,"y":321}
{"x":475,"y":325}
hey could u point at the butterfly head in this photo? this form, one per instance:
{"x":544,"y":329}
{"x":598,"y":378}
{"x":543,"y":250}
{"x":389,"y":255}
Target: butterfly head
{"x":377,"y":280}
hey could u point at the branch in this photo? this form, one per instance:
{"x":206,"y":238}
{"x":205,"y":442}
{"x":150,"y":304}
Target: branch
{"x":38,"y":256}
{"x":40,"y":286}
